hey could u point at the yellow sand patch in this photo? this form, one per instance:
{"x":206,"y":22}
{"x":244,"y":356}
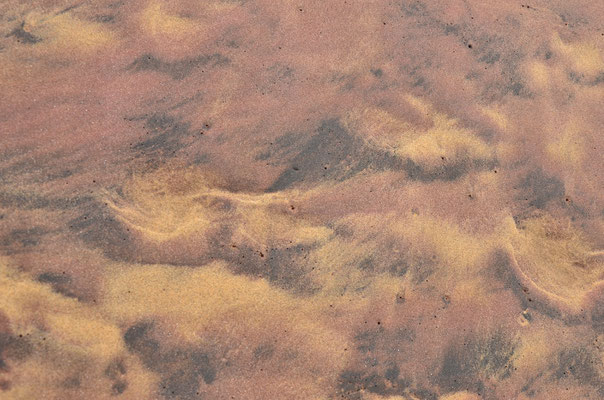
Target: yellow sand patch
{"x":474,"y":292}
{"x":212,"y":294}
{"x":439,"y":120}
{"x":498,"y":117}
{"x":165,"y":205}
{"x":583,"y":58}
{"x":419,"y":104}
{"x":66,"y":32}
{"x":539,"y":75}
{"x":439,"y":144}
{"x":264,"y":226}
{"x":162,"y":206}
{"x":371,"y":396}
{"x":557,"y":259}
{"x":156,"y":21}
{"x":461,"y":251}
{"x":379,"y":127}
{"x":335,"y":264}
{"x":70,"y":341}
{"x":378,"y":244}
{"x":534,"y":353}
{"x":460,"y":396}
{"x":568,"y":147}
{"x":438,"y":147}
{"x":193,"y":305}
{"x":444,"y":141}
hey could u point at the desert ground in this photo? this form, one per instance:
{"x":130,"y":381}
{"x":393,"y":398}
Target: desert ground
{"x":313,"y":200}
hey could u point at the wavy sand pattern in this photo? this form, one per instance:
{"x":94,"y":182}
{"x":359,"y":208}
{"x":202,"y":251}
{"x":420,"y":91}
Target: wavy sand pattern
{"x":254,"y":199}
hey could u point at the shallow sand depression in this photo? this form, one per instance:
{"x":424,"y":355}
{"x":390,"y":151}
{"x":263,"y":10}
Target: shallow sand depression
{"x":314,"y":200}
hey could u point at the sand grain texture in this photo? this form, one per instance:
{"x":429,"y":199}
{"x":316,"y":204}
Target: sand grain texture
{"x":314,"y":200}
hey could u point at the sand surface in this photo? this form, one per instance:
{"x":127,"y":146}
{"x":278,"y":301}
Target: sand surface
{"x":314,"y":200}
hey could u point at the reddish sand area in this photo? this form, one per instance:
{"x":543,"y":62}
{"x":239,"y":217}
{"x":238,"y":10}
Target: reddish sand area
{"x":314,"y":200}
